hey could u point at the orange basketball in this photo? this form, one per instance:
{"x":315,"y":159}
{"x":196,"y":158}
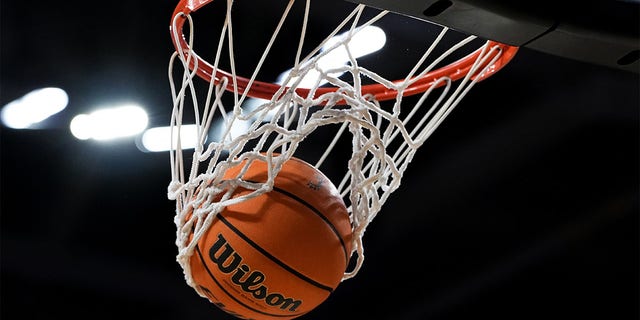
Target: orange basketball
{"x":278,"y":255}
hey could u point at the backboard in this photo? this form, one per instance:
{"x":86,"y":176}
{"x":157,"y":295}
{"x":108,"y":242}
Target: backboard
{"x":600,"y":32}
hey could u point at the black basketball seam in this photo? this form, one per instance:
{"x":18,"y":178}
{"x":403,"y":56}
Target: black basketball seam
{"x":272,"y":258}
{"x":319,"y":214}
{"x":204,"y":264}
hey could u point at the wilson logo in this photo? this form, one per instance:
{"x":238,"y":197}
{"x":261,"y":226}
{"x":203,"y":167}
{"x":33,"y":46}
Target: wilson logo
{"x":250,"y":281}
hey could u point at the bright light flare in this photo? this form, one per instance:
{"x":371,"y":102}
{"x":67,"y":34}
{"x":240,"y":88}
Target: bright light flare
{"x":109,"y":123}
{"x":221,"y":132}
{"x":34,"y":107}
{"x":365,"y":41}
{"x":159,"y":139}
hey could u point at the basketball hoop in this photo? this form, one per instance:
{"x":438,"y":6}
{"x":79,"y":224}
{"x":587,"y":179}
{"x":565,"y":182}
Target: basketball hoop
{"x":388,"y":118}
{"x":379,"y":92}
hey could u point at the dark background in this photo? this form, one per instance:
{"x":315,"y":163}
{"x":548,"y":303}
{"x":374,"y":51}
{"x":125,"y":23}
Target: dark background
{"x":524,"y":204}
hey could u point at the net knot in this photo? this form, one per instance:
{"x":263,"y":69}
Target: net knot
{"x":174,"y":189}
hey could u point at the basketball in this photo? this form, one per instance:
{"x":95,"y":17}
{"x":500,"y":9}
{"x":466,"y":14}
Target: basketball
{"x":278,"y":255}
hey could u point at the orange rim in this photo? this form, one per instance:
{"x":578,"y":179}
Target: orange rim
{"x":266,"y":90}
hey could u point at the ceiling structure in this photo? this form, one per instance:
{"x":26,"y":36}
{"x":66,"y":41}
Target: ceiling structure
{"x":523,"y":204}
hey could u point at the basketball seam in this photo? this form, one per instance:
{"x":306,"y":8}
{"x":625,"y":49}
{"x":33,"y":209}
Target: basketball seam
{"x":318,"y":213}
{"x":273,"y":258}
{"x":204,"y":264}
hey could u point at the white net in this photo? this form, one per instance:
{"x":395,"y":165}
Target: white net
{"x":384,"y":126}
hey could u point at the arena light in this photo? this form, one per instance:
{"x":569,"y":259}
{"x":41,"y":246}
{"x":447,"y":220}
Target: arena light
{"x":368,"y":40}
{"x":34,"y":107}
{"x":159,"y":139}
{"x":235,"y":129}
{"x":110,"y":123}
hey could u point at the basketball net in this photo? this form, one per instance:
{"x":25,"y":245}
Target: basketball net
{"x":386,"y":120}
